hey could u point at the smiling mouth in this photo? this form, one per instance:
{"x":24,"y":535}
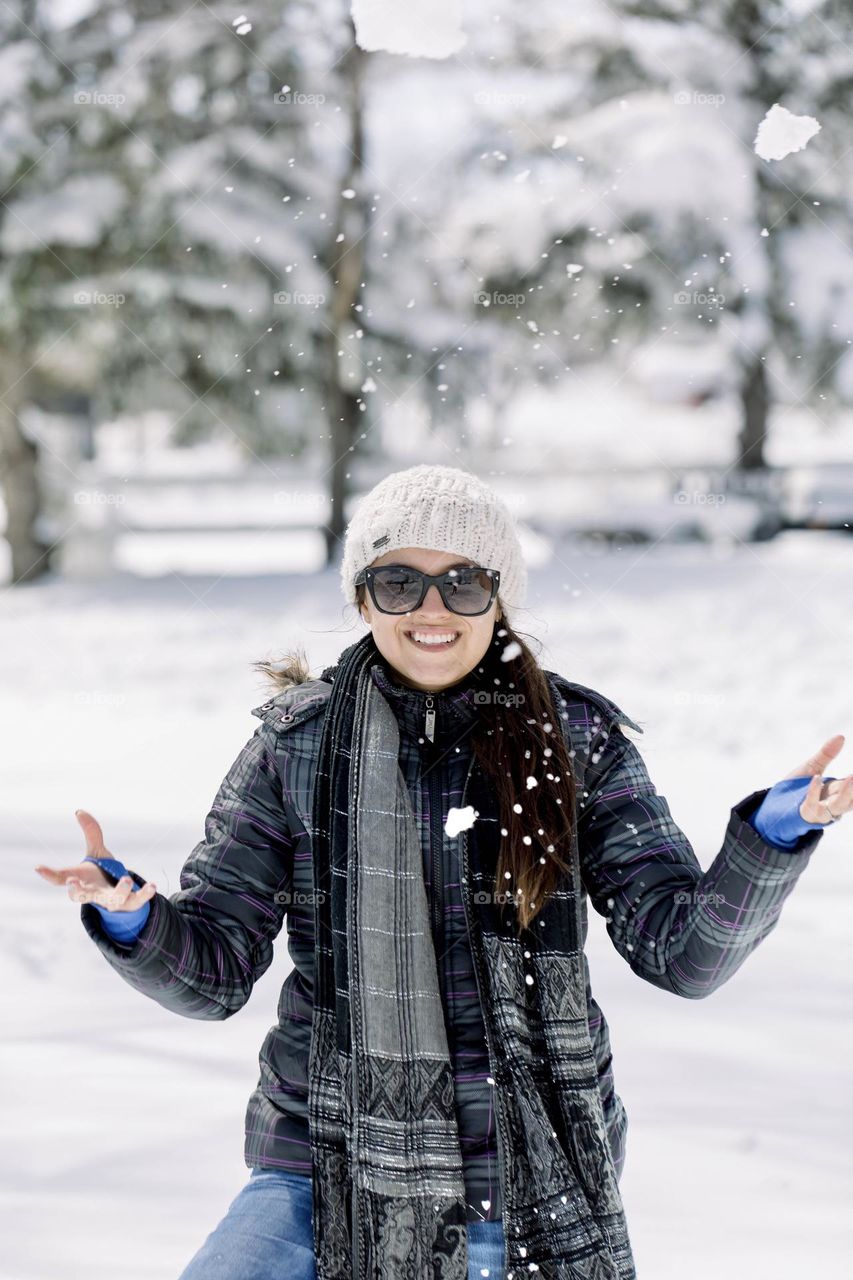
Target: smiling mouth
{"x":438,"y":641}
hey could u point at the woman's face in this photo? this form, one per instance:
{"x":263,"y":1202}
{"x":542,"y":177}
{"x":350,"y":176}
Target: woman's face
{"x":419,"y":666}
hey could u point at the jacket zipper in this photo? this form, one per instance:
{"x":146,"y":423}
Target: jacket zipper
{"x":436,"y":841}
{"x":429,"y":722}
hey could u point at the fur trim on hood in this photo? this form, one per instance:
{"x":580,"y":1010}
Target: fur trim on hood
{"x":284,"y":673}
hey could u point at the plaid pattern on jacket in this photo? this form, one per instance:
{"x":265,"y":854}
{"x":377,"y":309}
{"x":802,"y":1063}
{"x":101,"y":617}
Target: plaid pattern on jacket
{"x":682,"y":929}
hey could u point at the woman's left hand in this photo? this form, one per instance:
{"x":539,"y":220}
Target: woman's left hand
{"x":836,"y":793}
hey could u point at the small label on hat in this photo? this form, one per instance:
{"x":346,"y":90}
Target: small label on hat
{"x":386,"y":537}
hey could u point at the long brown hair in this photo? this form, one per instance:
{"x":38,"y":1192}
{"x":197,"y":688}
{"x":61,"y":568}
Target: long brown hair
{"x":517,"y":737}
{"x":520,"y":747}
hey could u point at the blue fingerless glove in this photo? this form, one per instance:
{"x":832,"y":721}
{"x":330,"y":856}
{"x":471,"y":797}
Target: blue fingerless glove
{"x":778,"y":819}
{"x":122,"y":926}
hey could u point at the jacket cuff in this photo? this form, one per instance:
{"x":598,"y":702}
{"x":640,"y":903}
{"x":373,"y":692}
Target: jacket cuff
{"x":143,"y":953}
{"x":756,"y":847}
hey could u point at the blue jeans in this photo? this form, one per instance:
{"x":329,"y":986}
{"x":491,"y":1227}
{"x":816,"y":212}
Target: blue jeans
{"x":267,"y":1235}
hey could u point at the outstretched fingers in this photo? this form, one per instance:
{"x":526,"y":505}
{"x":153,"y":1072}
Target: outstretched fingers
{"x":119,"y":897}
{"x":817,"y":763}
{"x":838,"y":796}
{"x":93,"y":834}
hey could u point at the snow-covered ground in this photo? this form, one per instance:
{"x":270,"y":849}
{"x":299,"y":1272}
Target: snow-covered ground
{"x":123,"y":1124}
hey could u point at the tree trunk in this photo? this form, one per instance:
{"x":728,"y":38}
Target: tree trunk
{"x":345,"y":265}
{"x":755,"y":403}
{"x":21,"y":489}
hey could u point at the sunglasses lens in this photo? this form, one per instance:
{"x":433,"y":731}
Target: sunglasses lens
{"x":396,"y":590}
{"x":470,"y":590}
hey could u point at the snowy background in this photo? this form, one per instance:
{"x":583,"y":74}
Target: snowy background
{"x":598,"y":254}
{"x":123,"y":1124}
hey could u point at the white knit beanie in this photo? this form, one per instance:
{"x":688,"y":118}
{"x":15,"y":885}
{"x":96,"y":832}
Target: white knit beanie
{"x":439,"y":509}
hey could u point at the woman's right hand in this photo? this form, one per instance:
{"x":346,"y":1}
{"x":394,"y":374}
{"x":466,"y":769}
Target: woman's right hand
{"x":86,"y":881}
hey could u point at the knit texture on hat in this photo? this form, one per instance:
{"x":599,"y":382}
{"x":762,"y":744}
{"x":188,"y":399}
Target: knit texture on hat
{"x":437,"y":508}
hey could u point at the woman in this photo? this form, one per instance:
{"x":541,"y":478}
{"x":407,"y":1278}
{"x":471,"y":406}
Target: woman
{"x":429,"y":815}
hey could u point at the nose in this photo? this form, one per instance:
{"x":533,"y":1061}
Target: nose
{"x":433,"y":604}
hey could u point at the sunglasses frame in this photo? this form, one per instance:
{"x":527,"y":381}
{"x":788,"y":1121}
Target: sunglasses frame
{"x":439,"y":580}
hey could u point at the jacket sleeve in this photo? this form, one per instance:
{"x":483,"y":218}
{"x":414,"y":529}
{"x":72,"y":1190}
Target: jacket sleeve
{"x":201,"y":950}
{"x":679,"y":928}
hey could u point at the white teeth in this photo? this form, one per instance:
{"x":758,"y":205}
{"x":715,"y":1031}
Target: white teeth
{"x":424,"y":638}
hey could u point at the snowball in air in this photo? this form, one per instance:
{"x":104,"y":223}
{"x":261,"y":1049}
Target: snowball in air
{"x":421,"y":28}
{"x":459,"y":820}
{"x":512,"y":650}
{"x":781,"y":132}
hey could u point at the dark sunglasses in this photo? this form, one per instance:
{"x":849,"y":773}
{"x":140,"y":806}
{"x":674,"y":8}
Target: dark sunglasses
{"x":396,"y":588}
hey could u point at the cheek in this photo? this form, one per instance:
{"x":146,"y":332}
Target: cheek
{"x":481,"y":637}
{"x":385,"y":632}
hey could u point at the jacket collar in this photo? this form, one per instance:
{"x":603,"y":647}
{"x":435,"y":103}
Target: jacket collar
{"x":455,"y":708}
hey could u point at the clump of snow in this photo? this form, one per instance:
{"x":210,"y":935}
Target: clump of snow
{"x":781,"y":132}
{"x":459,"y":820}
{"x":512,"y":650}
{"x":422,"y":28}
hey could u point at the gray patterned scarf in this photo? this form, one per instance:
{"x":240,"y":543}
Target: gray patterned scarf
{"x":389,"y":1196}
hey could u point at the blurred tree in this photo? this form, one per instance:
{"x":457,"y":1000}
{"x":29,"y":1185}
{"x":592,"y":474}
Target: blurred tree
{"x":616,"y":188}
{"x":171,"y":188}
